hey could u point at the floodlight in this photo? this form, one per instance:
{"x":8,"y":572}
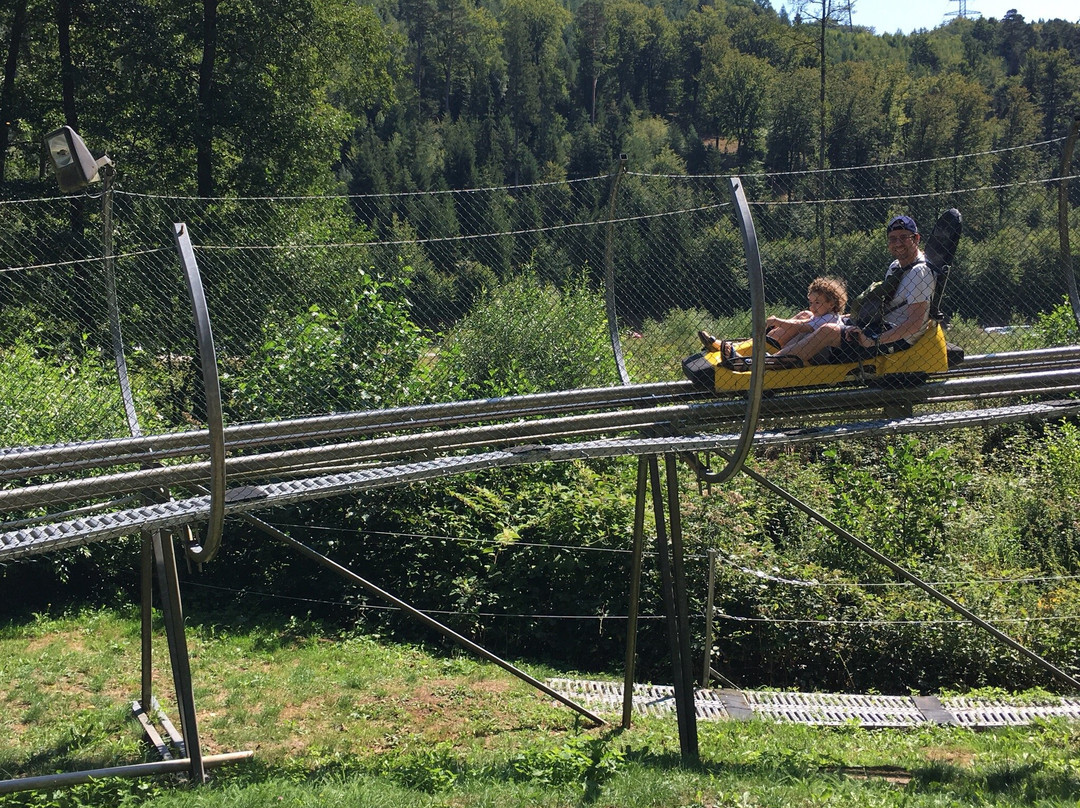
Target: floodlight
{"x":75,"y":167}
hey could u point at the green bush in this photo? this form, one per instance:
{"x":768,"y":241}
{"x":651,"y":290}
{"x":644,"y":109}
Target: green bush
{"x":525,"y":337}
{"x":1058,"y":326}
{"x":47,"y":398}
{"x":359,"y":355}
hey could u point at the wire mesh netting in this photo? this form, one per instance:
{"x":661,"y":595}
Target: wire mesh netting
{"x":375,"y":303}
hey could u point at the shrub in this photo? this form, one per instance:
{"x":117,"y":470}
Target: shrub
{"x":50,"y":398}
{"x":1058,"y":326}
{"x":526,"y":337}
{"x":358,"y":355}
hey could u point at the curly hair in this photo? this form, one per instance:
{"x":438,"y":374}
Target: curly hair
{"x":832,"y":289}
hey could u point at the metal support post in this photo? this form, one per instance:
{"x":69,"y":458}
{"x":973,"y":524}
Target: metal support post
{"x":1063,"y":217}
{"x":682,"y":608}
{"x":169,"y":585}
{"x":684,"y":703}
{"x":635,"y":590}
{"x":709,"y":609}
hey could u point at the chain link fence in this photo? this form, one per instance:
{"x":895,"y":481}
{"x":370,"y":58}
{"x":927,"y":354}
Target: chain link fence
{"x":344,"y":304}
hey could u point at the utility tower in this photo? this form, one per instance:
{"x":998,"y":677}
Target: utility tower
{"x":962,"y":11}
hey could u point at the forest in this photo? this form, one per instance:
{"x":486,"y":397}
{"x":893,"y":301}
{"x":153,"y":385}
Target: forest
{"x":275,"y":98}
{"x":288,"y":123}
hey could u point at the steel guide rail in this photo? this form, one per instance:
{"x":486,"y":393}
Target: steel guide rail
{"x":49,"y":537}
{"x":22,"y":462}
{"x":675,"y":418}
{"x":25,"y":462}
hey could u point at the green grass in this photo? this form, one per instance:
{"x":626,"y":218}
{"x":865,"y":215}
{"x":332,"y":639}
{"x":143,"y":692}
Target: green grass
{"x":356,"y":721}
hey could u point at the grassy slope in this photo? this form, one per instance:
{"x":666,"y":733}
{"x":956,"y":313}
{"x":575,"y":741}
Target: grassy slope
{"x":361,"y":722}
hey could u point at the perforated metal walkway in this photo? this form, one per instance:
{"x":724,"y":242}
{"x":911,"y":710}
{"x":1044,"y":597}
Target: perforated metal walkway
{"x":818,"y":709}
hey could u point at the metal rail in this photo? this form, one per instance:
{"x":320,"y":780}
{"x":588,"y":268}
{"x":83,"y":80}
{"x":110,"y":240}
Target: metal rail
{"x":206,"y":550}
{"x":678,"y":418}
{"x":65,"y":779}
{"x":756,"y":280}
{"x":49,"y":537}
{"x":31,"y":461}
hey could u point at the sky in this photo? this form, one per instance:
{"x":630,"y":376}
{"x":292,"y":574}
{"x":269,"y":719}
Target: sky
{"x":889,"y":16}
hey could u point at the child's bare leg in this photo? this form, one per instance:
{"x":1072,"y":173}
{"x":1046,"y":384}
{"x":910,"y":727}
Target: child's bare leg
{"x":783,"y":334}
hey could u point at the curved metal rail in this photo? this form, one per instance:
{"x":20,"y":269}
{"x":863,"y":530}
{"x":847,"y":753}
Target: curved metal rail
{"x":757,"y":308}
{"x":212,"y":391}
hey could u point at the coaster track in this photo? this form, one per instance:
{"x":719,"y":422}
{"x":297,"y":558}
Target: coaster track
{"x":291,"y":461}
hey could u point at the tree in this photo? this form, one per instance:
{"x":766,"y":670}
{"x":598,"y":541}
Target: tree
{"x":1018,"y":124}
{"x":204,"y":131}
{"x":532,"y":43}
{"x":790,"y":142}
{"x":702,"y":32}
{"x":631,"y":35}
{"x":592,"y":51}
{"x":1014,"y":39}
{"x":274,"y":122}
{"x":862,"y":121}
{"x":419,"y":18}
{"x":824,"y":13}
{"x":737,"y":94}
{"x":1053,"y":80}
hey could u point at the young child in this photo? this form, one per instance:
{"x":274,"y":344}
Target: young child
{"x":827,"y":298}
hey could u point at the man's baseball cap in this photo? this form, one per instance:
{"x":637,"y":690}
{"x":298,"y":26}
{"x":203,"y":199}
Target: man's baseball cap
{"x":902,"y":223}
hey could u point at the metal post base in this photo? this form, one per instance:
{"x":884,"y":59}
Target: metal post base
{"x":66,"y":779}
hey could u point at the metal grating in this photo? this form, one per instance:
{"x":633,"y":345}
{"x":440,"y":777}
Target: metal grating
{"x":818,"y":709}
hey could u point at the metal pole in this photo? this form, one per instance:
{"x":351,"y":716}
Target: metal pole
{"x":685,"y":700}
{"x":147,"y":586}
{"x":668,"y":594}
{"x":446,"y":631}
{"x":65,"y":779}
{"x":1063,"y":218}
{"x":206,"y":550}
{"x":635,"y":591}
{"x":169,"y":585}
{"x":108,"y":173}
{"x":709,"y":610}
{"x":609,"y":274}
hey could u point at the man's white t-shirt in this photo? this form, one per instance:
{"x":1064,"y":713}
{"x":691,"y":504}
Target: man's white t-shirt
{"x":917,"y":286}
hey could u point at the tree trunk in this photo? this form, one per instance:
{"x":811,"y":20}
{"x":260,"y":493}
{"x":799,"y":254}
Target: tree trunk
{"x":204,"y":125}
{"x":67,"y":66}
{"x":821,"y":145}
{"x":81,"y":291}
{"x":11,"y":64}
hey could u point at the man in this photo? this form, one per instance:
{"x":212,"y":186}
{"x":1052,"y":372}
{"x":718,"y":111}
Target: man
{"x":907,"y":314}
